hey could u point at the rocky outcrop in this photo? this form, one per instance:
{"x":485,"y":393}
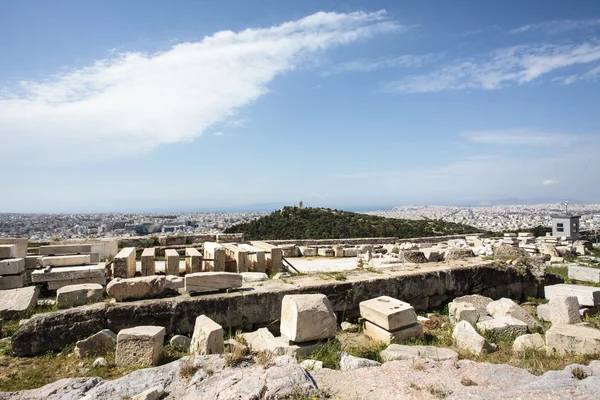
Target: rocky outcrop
{"x":201,"y":377}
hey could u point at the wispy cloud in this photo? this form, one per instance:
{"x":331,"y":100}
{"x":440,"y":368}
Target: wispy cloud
{"x":367,"y":65}
{"x":549,"y":182}
{"x":134,"y":102}
{"x":521,"y":137}
{"x":515,"y":65}
{"x":556,"y":27}
{"x":591,"y":75}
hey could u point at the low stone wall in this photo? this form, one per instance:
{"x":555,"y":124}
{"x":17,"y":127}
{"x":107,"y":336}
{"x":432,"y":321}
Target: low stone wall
{"x":261,"y":305}
{"x":173,"y":240}
{"x":359,"y":241}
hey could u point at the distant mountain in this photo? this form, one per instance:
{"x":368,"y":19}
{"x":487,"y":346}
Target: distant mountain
{"x":325,"y":223}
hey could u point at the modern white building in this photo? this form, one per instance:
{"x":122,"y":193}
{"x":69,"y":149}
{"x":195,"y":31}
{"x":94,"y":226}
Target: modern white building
{"x":566,"y":225}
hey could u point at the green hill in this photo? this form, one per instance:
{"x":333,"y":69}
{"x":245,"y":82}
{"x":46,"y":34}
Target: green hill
{"x":324,"y":223}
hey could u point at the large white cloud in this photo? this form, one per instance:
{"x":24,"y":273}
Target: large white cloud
{"x":134,"y":102}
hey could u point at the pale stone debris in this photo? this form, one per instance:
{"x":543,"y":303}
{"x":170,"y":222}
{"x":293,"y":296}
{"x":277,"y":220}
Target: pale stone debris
{"x":65,"y":261}
{"x":18,"y":303}
{"x":8,"y":282}
{"x":348,"y":327}
{"x":193,"y":260}
{"x":467,"y":338}
{"x":312,"y":365}
{"x":139,"y":346}
{"x":379,"y":334}
{"x":183,"y":342}
{"x":12,"y":266}
{"x":543,"y":312}
{"x":171,"y":262}
{"x":503,"y":326}
{"x":350,"y":363}
{"x":273,"y":255}
{"x":508,"y":308}
{"x":254,"y":276}
{"x":62,"y":249}
{"x":572,"y":339}
{"x":211,"y":281}
{"x":96,"y":345}
{"x":79,"y":295}
{"x":586,"y":295}
{"x":585,"y":274}
{"x":533,"y":341}
{"x":564,"y":310}
{"x":99,"y":362}
{"x":20,"y":243}
{"x":55,"y":285}
{"x":216,"y":252}
{"x":149,"y":261}
{"x":477,"y":301}
{"x":307,"y":317}
{"x":463,"y":312}
{"x":389,"y":313}
{"x":207,"y":337}
{"x":124,"y":264}
{"x":8,"y":251}
{"x":154,"y":393}
{"x":403,"y":352}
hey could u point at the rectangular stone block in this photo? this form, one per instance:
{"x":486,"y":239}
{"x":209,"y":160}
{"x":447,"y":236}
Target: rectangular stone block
{"x":139,"y":346}
{"x":21,"y":243}
{"x":32,"y":262}
{"x":585,"y":274}
{"x":353,"y":252}
{"x":234,"y":253}
{"x":18,"y":303}
{"x":148,"y":262}
{"x":307,"y":251}
{"x":193,"y":261}
{"x":207,"y":337}
{"x":12,"y":281}
{"x":124,"y":264}
{"x":586,"y":295}
{"x":211,"y":281}
{"x":215,"y":252}
{"x":171,"y":262}
{"x":12,"y":266}
{"x":256,"y":258}
{"x":432,"y":255}
{"x":379,"y":334}
{"x":273,"y":255}
{"x":307,"y":317}
{"x":8,"y":251}
{"x":65,"y":261}
{"x":68,"y":273}
{"x":79,"y":295}
{"x":55,"y":285}
{"x":326,"y":252}
{"x":389,"y":313}
{"x":62,"y":249}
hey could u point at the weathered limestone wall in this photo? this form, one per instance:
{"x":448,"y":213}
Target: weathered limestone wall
{"x":261,"y":305}
{"x":174,"y":240}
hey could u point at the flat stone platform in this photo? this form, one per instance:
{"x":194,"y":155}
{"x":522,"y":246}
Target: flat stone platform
{"x":258,"y":304}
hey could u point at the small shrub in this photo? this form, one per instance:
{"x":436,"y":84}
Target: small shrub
{"x":329,"y":353}
{"x":188,"y":369}
{"x":340,"y":277}
{"x":579,"y":373}
{"x":239,"y":353}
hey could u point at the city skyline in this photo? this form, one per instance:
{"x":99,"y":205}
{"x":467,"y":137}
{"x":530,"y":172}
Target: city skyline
{"x":140,"y":106}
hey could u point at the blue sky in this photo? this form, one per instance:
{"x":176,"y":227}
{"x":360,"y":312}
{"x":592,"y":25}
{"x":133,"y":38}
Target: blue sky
{"x":183,"y":105}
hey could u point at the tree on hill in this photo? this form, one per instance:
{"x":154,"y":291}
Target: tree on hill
{"x":325,"y":223}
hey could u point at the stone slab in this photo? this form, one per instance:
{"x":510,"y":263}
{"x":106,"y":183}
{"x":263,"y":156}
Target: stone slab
{"x":149,"y":262}
{"x":379,"y":334}
{"x":12,"y":266}
{"x":69,"y":273}
{"x":307,"y":317}
{"x":389,"y":313}
{"x":18,"y":303}
{"x":21,"y":243}
{"x":171,"y":262}
{"x":211,"y":281}
{"x":193,"y":260}
{"x":586,"y":295}
{"x":215,"y":252}
{"x":572,"y":339}
{"x":124,"y":264}
{"x":32,"y":262}
{"x":66,"y":261}
{"x":62,"y":249}
{"x":273,"y":255}
{"x":564,"y":310}
{"x":8,"y":251}
{"x":403,"y":352}
{"x":584,"y":274}
{"x":139,"y":346}
{"x":13,"y":281}
{"x":79,"y":295}
{"x":55,"y":285}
